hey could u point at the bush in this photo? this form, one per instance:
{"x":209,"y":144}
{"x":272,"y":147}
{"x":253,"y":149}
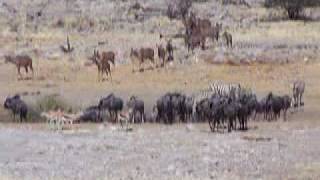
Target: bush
{"x":293,"y":8}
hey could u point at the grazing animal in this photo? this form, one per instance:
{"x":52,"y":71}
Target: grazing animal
{"x":194,"y":41}
{"x":298,"y":90}
{"x":228,"y":38}
{"x":169,"y":48}
{"x":20,"y":61}
{"x":113,"y":104}
{"x":17,"y":106}
{"x":108,"y":56}
{"x":137,"y":106}
{"x":142,"y":55}
{"x":286,"y":104}
{"x":189,"y":101}
{"x":102,"y":65}
{"x":91,"y":114}
{"x":230,"y":111}
{"x":164,"y":109}
{"x":162,"y":54}
{"x":276,"y":104}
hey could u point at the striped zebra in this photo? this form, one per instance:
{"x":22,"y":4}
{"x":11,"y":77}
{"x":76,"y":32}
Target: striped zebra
{"x":226,"y":89}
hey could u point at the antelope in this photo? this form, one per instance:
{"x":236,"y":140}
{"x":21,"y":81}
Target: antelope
{"x":20,"y":61}
{"x":102,"y":64}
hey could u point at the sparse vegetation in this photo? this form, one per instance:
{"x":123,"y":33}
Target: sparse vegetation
{"x":266,"y":56}
{"x":179,"y":8}
{"x":293,"y":8}
{"x":52,"y":102}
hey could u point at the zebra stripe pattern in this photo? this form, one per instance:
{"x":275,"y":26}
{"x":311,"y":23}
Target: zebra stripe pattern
{"x":226,"y":89}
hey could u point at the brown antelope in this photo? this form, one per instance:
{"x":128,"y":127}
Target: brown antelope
{"x":102,"y":65}
{"x":20,"y":61}
{"x":141,"y":55}
{"x":109,"y":56}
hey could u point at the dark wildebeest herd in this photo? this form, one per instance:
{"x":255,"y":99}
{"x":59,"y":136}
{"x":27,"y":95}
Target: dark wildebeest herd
{"x":223,"y":106}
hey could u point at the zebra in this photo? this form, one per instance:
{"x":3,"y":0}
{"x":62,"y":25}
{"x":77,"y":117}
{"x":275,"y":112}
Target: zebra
{"x":231,"y":90}
{"x":298,"y":90}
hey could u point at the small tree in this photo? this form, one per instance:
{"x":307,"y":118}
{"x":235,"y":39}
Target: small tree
{"x":293,"y":8}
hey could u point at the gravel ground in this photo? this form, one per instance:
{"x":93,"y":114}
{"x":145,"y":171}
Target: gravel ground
{"x":158,"y":152}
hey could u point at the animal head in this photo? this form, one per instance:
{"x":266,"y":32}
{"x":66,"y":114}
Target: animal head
{"x":95,"y":56}
{"x":219,"y":26}
{"x":7,"y":103}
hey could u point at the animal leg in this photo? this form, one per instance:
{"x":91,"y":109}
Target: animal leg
{"x":26,"y":68}
{"x":110,"y":75}
{"x":19,"y":73}
{"x":301,"y":102}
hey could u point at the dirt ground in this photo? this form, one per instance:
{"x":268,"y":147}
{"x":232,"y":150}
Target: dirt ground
{"x":268,"y":150}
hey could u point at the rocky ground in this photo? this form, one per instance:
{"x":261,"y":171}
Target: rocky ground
{"x":269,"y":53}
{"x":275,"y":150}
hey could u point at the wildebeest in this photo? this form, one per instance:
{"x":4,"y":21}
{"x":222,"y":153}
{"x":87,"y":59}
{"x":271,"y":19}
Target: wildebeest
{"x":113,"y":104}
{"x":230,"y":111}
{"x":102,"y":64}
{"x":260,"y":108}
{"x":228,"y":38}
{"x":137,"y":107}
{"x":189,"y":101}
{"x":164,"y":109}
{"x":17,"y":106}
{"x":91,"y":114}
{"x":20,"y":61}
{"x":141,"y":55}
{"x":286,"y":104}
{"x":179,"y":106}
{"x":275,"y":104}
{"x":298,"y":90}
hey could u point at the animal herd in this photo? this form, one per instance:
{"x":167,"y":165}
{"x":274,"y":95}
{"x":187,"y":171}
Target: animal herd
{"x":197,"y":31}
{"x":222,"y":106}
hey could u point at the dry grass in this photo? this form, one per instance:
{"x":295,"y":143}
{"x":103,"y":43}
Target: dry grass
{"x":287,"y":32}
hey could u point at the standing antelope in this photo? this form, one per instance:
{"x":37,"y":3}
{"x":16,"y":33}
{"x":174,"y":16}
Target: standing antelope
{"x":20,"y":60}
{"x":102,"y":65}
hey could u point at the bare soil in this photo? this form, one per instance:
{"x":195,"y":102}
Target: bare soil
{"x":268,"y":55}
